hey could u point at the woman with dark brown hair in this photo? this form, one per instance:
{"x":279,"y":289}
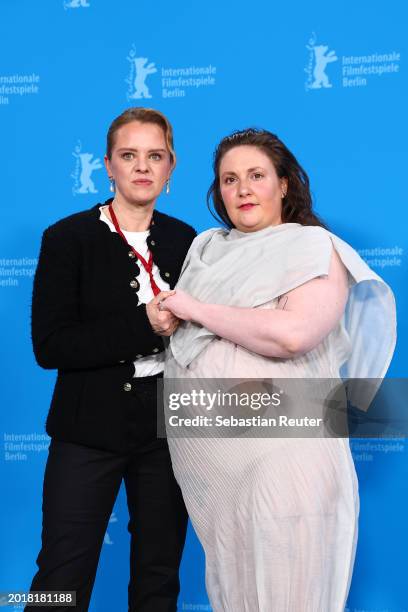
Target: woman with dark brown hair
{"x":274,"y":296}
{"x":95,"y":318}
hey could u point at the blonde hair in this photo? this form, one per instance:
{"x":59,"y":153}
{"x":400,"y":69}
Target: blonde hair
{"x":143,"y":115}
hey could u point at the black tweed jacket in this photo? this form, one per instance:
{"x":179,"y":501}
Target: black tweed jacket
{"x":87,"y":321}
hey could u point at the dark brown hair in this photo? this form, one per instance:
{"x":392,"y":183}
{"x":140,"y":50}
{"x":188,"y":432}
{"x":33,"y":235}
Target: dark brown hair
{"x":296,"y":205}
{"x":143,"y":115}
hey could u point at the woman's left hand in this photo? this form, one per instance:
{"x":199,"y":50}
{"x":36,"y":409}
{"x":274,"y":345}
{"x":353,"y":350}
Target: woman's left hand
{"x":181,"y":305}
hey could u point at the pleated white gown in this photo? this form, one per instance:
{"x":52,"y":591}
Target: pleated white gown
{"x":277,"y":518}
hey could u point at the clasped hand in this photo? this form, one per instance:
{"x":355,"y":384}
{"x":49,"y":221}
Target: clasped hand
{"x":167,"y":309}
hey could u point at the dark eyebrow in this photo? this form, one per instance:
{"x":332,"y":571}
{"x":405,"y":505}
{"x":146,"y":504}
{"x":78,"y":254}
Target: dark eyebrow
{"x":249,"y":170}
{"x":149,"y":151}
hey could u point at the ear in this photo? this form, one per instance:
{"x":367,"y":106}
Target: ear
{"x":284,"y":184}
{"x":107,"y":165}
{"x":172,"y":164}
{"x":170,"y":173}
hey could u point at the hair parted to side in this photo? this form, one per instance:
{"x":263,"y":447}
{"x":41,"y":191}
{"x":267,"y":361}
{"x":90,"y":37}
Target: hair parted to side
{"x":143,"y":115}
{"x":296,"y":205}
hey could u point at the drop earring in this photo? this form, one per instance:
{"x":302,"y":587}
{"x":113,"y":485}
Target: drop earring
{"x":112,"y":186}
{"x":168,"y":186}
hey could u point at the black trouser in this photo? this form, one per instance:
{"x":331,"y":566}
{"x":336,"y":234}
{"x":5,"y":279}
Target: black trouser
{"x":80,"y":488}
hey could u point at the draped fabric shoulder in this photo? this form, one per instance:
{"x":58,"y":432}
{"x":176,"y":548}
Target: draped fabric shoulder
{"x":370,"y":317}
{"x":371,"y":324}
{"x":249,"y":269}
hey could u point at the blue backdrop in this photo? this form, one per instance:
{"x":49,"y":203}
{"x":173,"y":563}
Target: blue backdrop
{"x":328,"y":78}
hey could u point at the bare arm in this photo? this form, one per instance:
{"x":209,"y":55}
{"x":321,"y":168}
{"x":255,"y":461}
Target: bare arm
{"x":304,"y":316}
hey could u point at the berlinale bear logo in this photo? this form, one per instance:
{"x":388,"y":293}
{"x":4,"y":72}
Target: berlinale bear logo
{"x":319,"y":58}
{"x":139,"y":71}
{"x":76,"y":4}
{"x":82,"y":174}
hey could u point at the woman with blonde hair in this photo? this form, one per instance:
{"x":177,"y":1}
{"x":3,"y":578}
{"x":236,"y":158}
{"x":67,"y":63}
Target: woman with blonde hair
{"x":95,"y":318}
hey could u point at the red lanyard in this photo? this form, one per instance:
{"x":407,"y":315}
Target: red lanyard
{"x":148,"y":265}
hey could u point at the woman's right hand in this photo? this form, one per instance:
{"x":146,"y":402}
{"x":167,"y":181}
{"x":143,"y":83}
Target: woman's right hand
{"x":163,"y":322}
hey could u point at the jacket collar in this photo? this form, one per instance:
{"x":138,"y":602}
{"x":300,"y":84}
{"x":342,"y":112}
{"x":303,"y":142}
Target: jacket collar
{"x":159,"y":220}
{"x":159,"y":239}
